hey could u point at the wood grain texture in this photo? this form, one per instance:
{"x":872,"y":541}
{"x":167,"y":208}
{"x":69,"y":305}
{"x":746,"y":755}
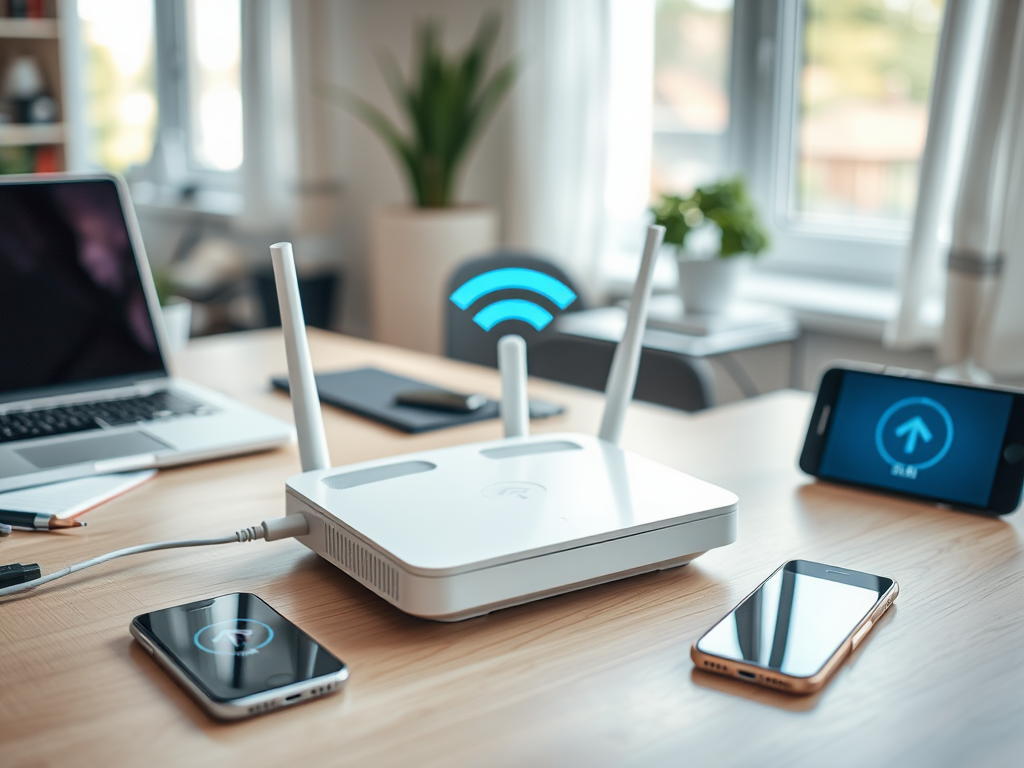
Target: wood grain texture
{"x":598,"y":677}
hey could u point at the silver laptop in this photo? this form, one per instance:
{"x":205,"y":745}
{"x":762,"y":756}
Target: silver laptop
{"x":85,"y":386}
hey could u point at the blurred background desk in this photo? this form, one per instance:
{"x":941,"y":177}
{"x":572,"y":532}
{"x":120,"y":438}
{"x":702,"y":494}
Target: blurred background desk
{"x":596,"y":677}
{"x":769,"y":339}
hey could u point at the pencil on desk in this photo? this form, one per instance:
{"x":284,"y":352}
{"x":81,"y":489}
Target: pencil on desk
{"x":36,"y":521}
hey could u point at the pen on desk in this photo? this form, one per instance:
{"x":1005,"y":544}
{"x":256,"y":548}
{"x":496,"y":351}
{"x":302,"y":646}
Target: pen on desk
{"x":36,"y":521}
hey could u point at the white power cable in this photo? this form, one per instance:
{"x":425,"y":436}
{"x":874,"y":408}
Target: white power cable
{"x":270,"y":530}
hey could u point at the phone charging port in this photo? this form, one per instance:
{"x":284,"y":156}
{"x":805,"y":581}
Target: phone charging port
{"x":748,"y":675}
{"x":293,"y":697}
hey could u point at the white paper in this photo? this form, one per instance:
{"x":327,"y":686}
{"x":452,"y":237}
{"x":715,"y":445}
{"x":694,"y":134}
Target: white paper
{"x":73,"y":497}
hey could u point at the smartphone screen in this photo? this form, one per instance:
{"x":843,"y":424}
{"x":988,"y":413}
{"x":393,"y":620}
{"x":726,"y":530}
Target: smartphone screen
{"x":236,"y":646}
{"x":797,"y":620}
{"x":929,"y":439}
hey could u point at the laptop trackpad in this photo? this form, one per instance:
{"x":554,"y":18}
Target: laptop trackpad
{"x":90,"y":449}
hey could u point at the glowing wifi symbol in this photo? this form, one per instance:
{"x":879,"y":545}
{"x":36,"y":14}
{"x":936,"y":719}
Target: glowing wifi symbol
{"x":555,"y":291}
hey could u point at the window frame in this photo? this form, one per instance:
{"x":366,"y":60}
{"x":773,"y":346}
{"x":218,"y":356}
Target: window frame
{"x":699,"y":142}
{"x":170,"y":21}
{"x":764,"y":91}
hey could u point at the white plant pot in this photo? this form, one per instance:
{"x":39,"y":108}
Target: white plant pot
{"x":177,"y":322}
{"x":707,"y":286}
{"x":413,"y":253}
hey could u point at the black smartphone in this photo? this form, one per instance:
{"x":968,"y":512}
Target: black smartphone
{"x":950,"y":443}
{"x":237,"y":656}
{"x":795,"y":629}
{"x":442,"y":400}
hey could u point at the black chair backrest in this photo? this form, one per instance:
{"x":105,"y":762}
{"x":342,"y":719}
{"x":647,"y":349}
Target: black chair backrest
{"x":664,"y":378}
{"x":465,"y":340}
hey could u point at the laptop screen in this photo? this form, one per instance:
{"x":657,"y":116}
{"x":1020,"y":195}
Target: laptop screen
{"x":72,"y":306}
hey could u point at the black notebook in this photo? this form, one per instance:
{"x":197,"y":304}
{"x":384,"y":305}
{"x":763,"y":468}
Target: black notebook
{"x":371,"y":393}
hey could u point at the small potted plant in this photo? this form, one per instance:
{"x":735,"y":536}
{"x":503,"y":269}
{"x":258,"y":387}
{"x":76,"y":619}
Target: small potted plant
{"x":176,"y":311}
{"x":712,"y":231}
{"x":446,"y":102}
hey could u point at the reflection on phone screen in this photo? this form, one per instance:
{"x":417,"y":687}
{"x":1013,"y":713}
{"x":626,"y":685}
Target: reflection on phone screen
{"x":794,"y":622}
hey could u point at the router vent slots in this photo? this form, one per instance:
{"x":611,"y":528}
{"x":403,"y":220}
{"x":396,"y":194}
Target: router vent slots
{"x":359,"y":562}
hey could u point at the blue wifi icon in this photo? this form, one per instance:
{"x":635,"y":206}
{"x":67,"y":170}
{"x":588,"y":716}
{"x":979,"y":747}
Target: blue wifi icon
{"x":474,"y":289}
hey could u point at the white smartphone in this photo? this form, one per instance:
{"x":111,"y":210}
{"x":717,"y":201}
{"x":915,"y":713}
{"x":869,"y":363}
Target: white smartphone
{"x":237,"y":656}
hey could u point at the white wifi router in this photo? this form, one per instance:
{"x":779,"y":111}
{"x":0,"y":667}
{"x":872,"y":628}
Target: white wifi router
{"x":457,"y":532}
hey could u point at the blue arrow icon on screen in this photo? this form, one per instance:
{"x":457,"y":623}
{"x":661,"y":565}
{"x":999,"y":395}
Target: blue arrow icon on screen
{"x":913,"y":429}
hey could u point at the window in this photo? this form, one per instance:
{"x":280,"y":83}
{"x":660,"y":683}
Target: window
{"x":120,"y":85}
{"x":864,"y":84}
{"x":692,"y":49}
{"x":170,"y":68}
{"x":822,"y":105}
{"x":214,"y":84}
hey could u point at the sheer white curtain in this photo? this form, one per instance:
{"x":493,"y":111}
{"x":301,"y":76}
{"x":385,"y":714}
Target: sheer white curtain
{"x":956,"y":78}
{"x":268,"y":108}
{"x":291,"y":172}
{"x":984,"y":325}
{"x":581,"y":129}
{"x":965,"y":297}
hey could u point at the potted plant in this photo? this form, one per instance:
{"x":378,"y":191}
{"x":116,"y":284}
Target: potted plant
{"x":176,"y":311}
{"x":447,"y":101}
{"x":712,"y":230}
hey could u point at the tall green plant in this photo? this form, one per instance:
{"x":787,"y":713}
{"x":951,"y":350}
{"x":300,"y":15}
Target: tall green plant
{"x":446,"y":103}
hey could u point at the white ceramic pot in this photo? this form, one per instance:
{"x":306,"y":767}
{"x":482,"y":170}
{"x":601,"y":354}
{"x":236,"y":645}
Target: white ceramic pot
{"x":413,"y":253}
{"x":177,"y":314}
{"x":708,"y":285}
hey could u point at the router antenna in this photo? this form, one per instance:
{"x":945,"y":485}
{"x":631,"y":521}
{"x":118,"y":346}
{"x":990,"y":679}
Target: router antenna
{"x":309,"y":422}
{"x":515,"y":408}
{"x":622,"y":377}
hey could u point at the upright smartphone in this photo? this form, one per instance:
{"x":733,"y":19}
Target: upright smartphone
{"x":237,"y":656}
{"x":950,"y":443}
{"x":792,"y":632}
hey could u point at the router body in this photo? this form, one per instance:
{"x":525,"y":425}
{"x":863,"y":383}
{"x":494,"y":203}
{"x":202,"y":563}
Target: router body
{"x":458,"y":532}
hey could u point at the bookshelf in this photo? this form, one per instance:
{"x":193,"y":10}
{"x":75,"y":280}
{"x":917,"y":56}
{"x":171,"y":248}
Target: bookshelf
{"x":31,"y":29}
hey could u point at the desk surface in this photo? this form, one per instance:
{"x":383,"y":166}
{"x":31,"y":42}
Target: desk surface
{"x":597,"y":677}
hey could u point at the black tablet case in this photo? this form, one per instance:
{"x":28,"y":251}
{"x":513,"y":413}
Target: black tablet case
{"x":371,"y":392}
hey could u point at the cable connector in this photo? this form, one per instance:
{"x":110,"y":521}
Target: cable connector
{"x":285,"y":527}
{"x":16,"y":573}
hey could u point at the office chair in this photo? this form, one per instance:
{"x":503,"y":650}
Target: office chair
{"x":664,"y":378}
{"x":465,"y":340}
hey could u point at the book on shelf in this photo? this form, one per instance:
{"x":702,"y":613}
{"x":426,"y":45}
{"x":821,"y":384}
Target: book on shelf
{"x":23,"y":159}
{"x":28,"y":9}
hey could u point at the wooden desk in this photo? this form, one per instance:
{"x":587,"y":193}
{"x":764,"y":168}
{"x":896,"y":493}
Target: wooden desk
{"x":598,"y":677}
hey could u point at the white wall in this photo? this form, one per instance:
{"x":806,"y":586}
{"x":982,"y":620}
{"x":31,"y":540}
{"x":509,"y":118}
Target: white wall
{"x":370,"y":176}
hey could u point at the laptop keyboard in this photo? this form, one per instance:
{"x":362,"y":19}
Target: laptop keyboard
{"x":64,"y":419}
